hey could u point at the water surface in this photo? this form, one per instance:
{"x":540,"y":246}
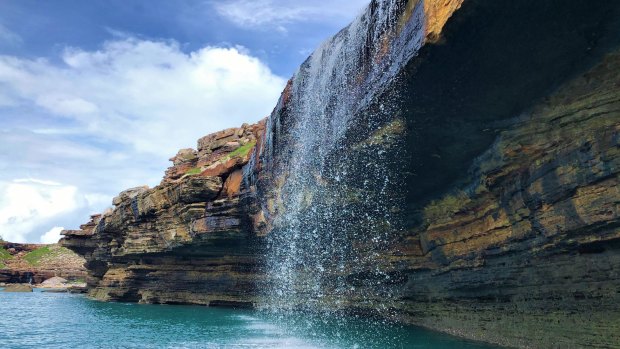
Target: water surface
{"x":56,"y":320}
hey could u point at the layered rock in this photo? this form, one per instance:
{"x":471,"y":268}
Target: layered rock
{"x":478,"y":194}
{"x":525,"y":253}
{"x":474,"y":191}
{"x":184,"y":241}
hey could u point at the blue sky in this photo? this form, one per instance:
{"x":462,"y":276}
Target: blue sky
{"x":96,"y":95}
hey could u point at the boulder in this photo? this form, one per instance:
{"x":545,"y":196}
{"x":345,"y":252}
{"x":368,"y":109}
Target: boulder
{"x":128,"y":194}
{"x":55,"y":282}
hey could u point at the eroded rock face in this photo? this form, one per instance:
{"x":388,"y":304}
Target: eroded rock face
{"x":525,"y":252}
{"x":501,"y":143}
{"x":184,"y":241}
{"x":501,"y":140}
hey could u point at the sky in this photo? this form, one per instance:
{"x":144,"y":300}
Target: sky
{"x":96,"y":96}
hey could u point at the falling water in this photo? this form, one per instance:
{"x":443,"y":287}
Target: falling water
{"x":330,"y":153}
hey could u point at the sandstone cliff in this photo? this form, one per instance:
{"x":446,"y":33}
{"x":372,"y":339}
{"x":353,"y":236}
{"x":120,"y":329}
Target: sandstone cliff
{"x":475,"y":191}
{"x":184,"y":241}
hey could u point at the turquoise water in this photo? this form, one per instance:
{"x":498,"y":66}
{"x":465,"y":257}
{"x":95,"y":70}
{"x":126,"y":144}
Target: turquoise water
{"x":57,"y":320}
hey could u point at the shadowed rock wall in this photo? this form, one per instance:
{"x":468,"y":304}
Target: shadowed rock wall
{"x":501,"y":141}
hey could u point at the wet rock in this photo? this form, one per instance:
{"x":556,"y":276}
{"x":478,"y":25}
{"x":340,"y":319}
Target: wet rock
{"x":17,"y":288}
{"x":507,"y":123}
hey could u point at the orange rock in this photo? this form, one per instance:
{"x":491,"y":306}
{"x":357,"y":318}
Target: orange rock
{"x":221,"y":168}
{"x":286,"y":94}
{"x":232,"y":185}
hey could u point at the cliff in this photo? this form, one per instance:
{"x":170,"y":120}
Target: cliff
{"x":528,"y":245}
{"x":184,"y":241}
{"x":452,"y":164}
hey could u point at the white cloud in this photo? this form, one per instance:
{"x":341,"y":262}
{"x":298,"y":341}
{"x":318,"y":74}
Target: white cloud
{"x":30,"y":206}
{"x":66,"y":105}
{"x":148,"y":94}
{"x":24,"y":205}
{"x":101,"y":121}
{"x":254,"y":13}
{"x":52,"y":236}
{"x":36,"y":181}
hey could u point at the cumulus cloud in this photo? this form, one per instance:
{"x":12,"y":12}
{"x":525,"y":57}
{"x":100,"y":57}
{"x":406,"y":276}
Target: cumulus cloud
{"x":254,"y":13}
{"x":24,"y":204}
{"x":91,"y":123}
{"x":29,"y":207}
{"x":147,"y":94}
{"x":52,"y":236}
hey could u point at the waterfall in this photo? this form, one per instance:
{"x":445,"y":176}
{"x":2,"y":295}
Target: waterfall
{"x":329,"y":185}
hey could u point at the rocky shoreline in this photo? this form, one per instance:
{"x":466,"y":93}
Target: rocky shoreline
{"x":60,"y":287}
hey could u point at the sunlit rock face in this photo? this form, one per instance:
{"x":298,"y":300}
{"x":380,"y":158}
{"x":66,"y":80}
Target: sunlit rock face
{"x":184,"y":241}
{"x":452,"y":164}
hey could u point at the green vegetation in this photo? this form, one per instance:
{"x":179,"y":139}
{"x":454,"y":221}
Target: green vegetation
{"x":46,"y":252}
{"x":4,"y":255}
{"x":54,"y":254}
{"x":35,"y":256}
{"x":242,"y":150}
{"x":193,"y":171}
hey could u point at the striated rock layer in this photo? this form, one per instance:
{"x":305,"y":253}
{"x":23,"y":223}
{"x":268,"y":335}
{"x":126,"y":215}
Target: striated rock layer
{"x":482,"y":178}
{"x":525,"y":252}
{"x":184,"y":241}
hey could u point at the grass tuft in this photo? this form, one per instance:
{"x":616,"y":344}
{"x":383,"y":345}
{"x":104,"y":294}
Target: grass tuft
{"x":242,"y":150}
{"x":36,"y":256}
{"x":4,"y":255}
{"x":193,"y":171}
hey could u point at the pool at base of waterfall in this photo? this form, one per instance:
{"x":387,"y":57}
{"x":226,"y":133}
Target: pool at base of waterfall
{"x":60,"y":320}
